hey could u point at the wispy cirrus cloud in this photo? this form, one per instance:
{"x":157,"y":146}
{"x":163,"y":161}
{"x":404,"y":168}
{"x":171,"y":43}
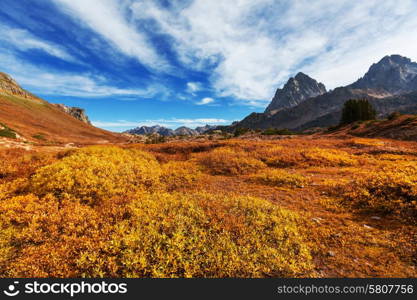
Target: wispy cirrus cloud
{"x":61,"y":83}
{"x":23,"y":40}
{"x":108,"y":18}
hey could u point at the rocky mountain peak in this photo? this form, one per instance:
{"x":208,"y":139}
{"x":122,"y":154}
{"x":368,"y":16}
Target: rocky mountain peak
{"x":9,"y":86}
{"x":394,"y":74}
{"x":297,"y":89}
{"x":185,"y":131}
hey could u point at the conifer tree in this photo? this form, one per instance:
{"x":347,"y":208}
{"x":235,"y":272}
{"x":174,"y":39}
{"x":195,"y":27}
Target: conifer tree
{"x":357,"y":110}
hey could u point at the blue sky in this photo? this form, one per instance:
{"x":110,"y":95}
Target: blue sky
{"x":192,"y":62}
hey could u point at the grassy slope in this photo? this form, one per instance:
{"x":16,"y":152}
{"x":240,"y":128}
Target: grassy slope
{"x":401,"y":128}
{"x":34,"y":117}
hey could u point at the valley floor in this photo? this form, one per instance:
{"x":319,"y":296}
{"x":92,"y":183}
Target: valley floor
{"x":354,"y":203}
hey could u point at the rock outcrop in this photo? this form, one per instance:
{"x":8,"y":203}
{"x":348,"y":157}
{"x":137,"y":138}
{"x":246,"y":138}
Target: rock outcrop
{"x":76,"y":112}
{"x":9,"y":86}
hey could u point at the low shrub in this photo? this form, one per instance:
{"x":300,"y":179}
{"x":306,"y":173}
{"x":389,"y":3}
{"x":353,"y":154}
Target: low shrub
{"x":203,"y":235}
{"x":394,"y":116}
{"x":311,"y":157}
{"x":96,"y":173}
{"x":177,"y":175}
{"x":227,"y":161}
{"x":154,"y":235}
{"x":279,"y":177}
{"x":44,"y":237}
{"x":15,"y":163}
{"x":7,"y":132}
{"x":387,"y":191}
{"x":328,"y":157}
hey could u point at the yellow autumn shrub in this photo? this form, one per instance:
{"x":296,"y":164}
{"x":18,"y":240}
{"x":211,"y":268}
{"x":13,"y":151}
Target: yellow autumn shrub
{"x":363,"y":142}
{"x":204,"y":235}
{"x":328,"y":157}
{"x":322,"y":157}
{"x":95,"y":173}
{"x":386,"y":190}
{"x":154,"y":235}
{"x":227,"y":161}
{"x":13,"y":188}
{"x":278,"y":177}
{"x":177,"y":175}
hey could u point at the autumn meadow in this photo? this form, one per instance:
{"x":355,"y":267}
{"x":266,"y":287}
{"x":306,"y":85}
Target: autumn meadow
{"x":297,"y":206}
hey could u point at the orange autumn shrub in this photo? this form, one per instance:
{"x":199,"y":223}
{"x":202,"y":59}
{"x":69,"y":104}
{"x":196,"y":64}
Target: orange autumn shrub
{"x":45,"y":237}
{"x":288,"y":157}
{"x":227,"y":161}
{"x":328,"y":157}
{"x":278,"y":177}
{"x":177,"y":175}
{"x":15,"y":163}
{"x":96,"y":173}
{"x":389,"y":190}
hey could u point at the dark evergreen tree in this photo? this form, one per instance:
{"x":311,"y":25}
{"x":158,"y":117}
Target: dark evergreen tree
{"x":357,"y":110}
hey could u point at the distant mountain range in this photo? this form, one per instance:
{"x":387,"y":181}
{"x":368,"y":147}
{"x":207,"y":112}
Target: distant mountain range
{"x":390,"y":85}
{"x":144,"y":130}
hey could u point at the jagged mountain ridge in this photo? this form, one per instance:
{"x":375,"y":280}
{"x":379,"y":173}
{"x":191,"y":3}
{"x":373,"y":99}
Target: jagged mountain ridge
{"x":144,"y":130}
{"x":204,"y":129}
{"x":296,"y":90}
{"x":393,"y":74}
{"x":157,"y":129}
{"x":388,"y":84}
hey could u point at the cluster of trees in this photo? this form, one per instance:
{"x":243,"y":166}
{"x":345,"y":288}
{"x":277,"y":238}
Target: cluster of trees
{"x":357,"y":110}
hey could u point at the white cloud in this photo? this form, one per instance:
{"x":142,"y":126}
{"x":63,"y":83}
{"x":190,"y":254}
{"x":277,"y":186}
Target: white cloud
{"x":52,"y":82}
{"x":193,"y":87}
{"x":108,"y":18}
{"x":251,"y":47}
{"x":122,"y":125}
{"x":205,"y":101}
{"x":24,"y":40}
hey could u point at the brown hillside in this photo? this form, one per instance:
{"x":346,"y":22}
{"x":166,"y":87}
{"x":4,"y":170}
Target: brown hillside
{"x":400,"y":127}
{"x":39,"y":121}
